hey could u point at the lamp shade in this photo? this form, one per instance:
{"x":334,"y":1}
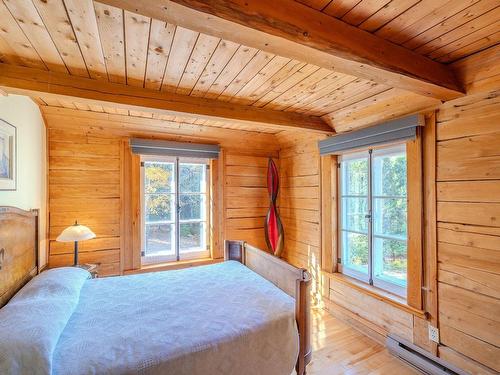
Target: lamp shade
{"x":74,"y":233}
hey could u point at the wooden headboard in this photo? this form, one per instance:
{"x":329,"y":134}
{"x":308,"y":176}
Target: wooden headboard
{"x":18,"y":250}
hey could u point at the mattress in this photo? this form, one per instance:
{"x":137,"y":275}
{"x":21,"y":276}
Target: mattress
{"x":216,"y":319}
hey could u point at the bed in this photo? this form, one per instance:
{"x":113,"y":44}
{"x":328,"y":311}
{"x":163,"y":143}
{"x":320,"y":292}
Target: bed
{"x":247,"y":315}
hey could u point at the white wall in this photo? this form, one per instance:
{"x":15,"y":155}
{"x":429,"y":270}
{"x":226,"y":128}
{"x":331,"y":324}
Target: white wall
{"x":31,"y":191}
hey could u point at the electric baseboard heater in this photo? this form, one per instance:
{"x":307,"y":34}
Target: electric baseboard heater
{"x":419,"y":358}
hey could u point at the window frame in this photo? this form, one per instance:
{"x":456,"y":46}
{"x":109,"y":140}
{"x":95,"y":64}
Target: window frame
{"x":370,"y":277}
{"x":377,"y":281}
{"x":178,"y":255}
{"x":412,"y":293}
{"x":346,"y":270}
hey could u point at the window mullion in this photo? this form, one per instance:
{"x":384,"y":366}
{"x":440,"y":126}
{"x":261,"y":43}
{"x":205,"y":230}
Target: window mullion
{"x":177,"y":210}
{"x":370,"y":220}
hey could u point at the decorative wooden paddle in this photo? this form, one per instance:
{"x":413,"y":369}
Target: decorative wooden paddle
{"x":273,"y":227}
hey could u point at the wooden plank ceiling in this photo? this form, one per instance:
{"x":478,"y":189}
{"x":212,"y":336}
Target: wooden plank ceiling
{"x":93,"y":40}
{"x":443,"y":30}
{"x":50,"y":101}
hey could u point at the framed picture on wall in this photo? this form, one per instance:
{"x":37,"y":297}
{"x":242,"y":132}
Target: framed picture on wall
{"x":8,"y":154}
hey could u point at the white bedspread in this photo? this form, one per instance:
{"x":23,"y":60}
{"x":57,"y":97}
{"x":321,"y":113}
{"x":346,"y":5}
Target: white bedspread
{"x":32,"y":322}
{"x":218,"y":319}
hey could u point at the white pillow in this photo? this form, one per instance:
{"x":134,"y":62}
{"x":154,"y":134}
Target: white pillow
{"x":34,"y":319}
{"x":53,"y":283}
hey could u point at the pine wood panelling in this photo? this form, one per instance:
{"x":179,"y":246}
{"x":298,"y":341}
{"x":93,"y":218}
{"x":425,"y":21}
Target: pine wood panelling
{"x":28,"y":19}
{"x":96,"y":244}
{"x":389,"y":12}
{"x":429,"y":254}
{"x":17,"y":42}
{"x":429,"y":39}
{"x":377,"y":108}
{"x":479,"y":72}
{"x":287,"y":84}
{"x":38,"y":82}
{"x":183,"y":43}
{"x":258,"y":62}
{"x":136,"y":49}
{"x":78,"y":177}
{"x":468,"y":220}
{"x":349,"y":49}
{"x":472,"y":313}
{"x":460,"y":165}
{"x":82,"y":16}
{"x":238,"y":61}
{"x":299,"y":201}
{"x":201,"y":54}
{"x":389,"y":318}
{"x":415,"y":221}
{"x":93,"y":178}
{"x":92,"y":202}
{"x":464,"y":362}
{"x":130,"y":240}
{"x":123,"y":125}
{"x":93,"y":39}
{"x":246,"y":198}
{"x":471,"y":347}
{"x":277,"y":79}
{"x":89,"y":38}
{"x":470,"y":213}
{"x":111,"y":31}
{"x":160,"y":42}
{"x":263,"y":76}
{"x":305,"y":88}
{"x":220,"y":58}
{"x":425,"y":26}
{"x":7,"y":54}
{"x":323,"y":93}
{"x":55,"y":19}
{"x":469,"y":191}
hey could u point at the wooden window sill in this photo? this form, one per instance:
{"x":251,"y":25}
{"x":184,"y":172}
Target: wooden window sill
{"x":173,"y":265}
{"x":377,"y":293}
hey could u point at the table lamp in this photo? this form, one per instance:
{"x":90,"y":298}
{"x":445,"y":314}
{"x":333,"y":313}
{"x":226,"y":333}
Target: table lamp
{"x":75,"y":233}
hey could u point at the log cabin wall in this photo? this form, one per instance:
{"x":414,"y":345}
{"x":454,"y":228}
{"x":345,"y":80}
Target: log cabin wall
{"x":468,"y":229}
{"x":468,"y":218}
{"x":88,"y":182}
{"x":299,"y":201}
{"x":246,"y":197}
{"x":84,"y":185}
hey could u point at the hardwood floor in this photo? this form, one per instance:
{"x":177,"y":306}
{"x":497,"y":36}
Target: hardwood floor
{"x":340,"y":349}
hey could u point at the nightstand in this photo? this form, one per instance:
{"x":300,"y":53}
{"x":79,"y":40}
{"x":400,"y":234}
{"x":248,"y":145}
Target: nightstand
{"x":92,"y":268}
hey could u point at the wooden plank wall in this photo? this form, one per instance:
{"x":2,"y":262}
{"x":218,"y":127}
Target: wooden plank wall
{"x":468,"y":229}
{"x":84,"y":185}
{"x":85,"y":167}
{"x":246,"y":197}
{"x":468,"y":225}
{"x":299,"y":200}
{"x":300,"y":208}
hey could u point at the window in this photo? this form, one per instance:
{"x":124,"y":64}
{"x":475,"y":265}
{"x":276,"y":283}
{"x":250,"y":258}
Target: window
{"x":175,"y":209}
{"x":373,"y":217}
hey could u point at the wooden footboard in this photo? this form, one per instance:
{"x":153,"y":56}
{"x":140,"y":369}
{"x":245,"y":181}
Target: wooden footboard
{"x":296,"y":282}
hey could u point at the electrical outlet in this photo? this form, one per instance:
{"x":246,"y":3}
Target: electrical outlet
{"x":433,"y":334}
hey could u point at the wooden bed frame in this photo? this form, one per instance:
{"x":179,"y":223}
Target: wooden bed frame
{"x":19,"y":264}
{"x":18,"y":250}
{"x":296,"y":282}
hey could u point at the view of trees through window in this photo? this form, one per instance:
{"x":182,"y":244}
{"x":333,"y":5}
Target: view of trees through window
{"x":390,"y":216}
{"x":378,"y":194}
{"x":161,"y":200}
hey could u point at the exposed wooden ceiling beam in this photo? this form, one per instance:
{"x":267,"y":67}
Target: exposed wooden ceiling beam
{"x":291,"y":29}
{"x":29,"y":81}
